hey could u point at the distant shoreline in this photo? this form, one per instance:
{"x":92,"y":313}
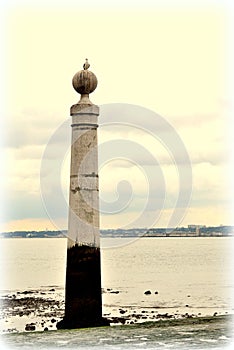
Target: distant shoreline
{"x":128,"y":236}
{"x":190,"y":231}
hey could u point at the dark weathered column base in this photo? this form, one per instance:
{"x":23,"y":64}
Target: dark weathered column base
{"x":83,"y":301}
{"x":73,"y":324}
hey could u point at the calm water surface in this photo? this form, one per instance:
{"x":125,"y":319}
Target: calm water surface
{"x":182,"y":271}
{"x":194,"y":271}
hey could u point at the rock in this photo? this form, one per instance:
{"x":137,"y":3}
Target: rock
{"x":188,"y":296}
{"x":147,"y":292}
{"x":52,"y":290}
{"x":114,"y":321}
{"x":114,"y":292}
{"x":30,"y":327}
{"x":118,"y":320}
{"x":156,"y":292}
{"x":53,"y":320}
{"x":186,"y":305}
{"x":46,"y":329}
{"x":122,"y":311}
{"x":215,"y":314}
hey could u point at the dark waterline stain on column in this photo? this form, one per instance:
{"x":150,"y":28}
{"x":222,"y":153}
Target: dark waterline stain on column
{"x":83,"y":302}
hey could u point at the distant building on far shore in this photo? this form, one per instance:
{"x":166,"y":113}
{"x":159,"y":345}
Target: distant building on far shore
{"x":194,"y":227}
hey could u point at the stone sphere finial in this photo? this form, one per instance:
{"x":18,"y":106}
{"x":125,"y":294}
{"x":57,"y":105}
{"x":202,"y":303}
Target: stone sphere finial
{"x":85,"y":82}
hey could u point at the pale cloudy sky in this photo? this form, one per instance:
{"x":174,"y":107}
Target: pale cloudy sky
{"x":171,"y":57}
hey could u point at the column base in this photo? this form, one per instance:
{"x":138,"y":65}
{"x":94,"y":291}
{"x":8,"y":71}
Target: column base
{"x":73,"y":324}
{"x":83,"y":300}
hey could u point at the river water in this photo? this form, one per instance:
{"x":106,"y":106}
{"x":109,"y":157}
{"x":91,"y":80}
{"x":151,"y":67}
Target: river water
{"x":184,"y":277}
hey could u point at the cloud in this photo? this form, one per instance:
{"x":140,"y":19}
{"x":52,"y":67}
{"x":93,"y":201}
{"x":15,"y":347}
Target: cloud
{"x":22,"y":205}
{"x":204,"y":136}
{"x":127,"y":152}
{"x":207,"y":142}
{"x":31,"y":127}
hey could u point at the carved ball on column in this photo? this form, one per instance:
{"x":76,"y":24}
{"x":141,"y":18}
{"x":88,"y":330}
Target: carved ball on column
{"x":84,"y":82}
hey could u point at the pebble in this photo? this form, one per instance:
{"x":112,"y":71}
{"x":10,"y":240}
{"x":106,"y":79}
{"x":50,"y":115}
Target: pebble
{"x":147,"y":292}
{"x":30,"y":327}
{"x":122,"y":311}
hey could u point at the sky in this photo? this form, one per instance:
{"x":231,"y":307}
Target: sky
{"x":165,"y":62}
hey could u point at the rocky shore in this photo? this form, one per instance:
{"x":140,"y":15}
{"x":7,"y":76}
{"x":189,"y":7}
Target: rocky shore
{"x":30,"y":310}
{"x":41,"y":310}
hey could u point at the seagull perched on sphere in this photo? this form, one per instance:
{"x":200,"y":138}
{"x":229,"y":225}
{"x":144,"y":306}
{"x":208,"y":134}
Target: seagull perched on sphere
{"x":86,"y":64}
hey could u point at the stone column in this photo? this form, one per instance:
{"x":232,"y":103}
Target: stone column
{"x":83,"y":302}
{"x":83,"y":197}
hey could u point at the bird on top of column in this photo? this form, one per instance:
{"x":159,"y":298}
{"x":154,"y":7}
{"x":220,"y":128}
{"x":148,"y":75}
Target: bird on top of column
{"x":86,"y":65}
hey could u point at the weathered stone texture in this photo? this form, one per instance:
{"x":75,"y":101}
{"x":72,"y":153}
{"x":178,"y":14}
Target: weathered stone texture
{"x":83,"y":197}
